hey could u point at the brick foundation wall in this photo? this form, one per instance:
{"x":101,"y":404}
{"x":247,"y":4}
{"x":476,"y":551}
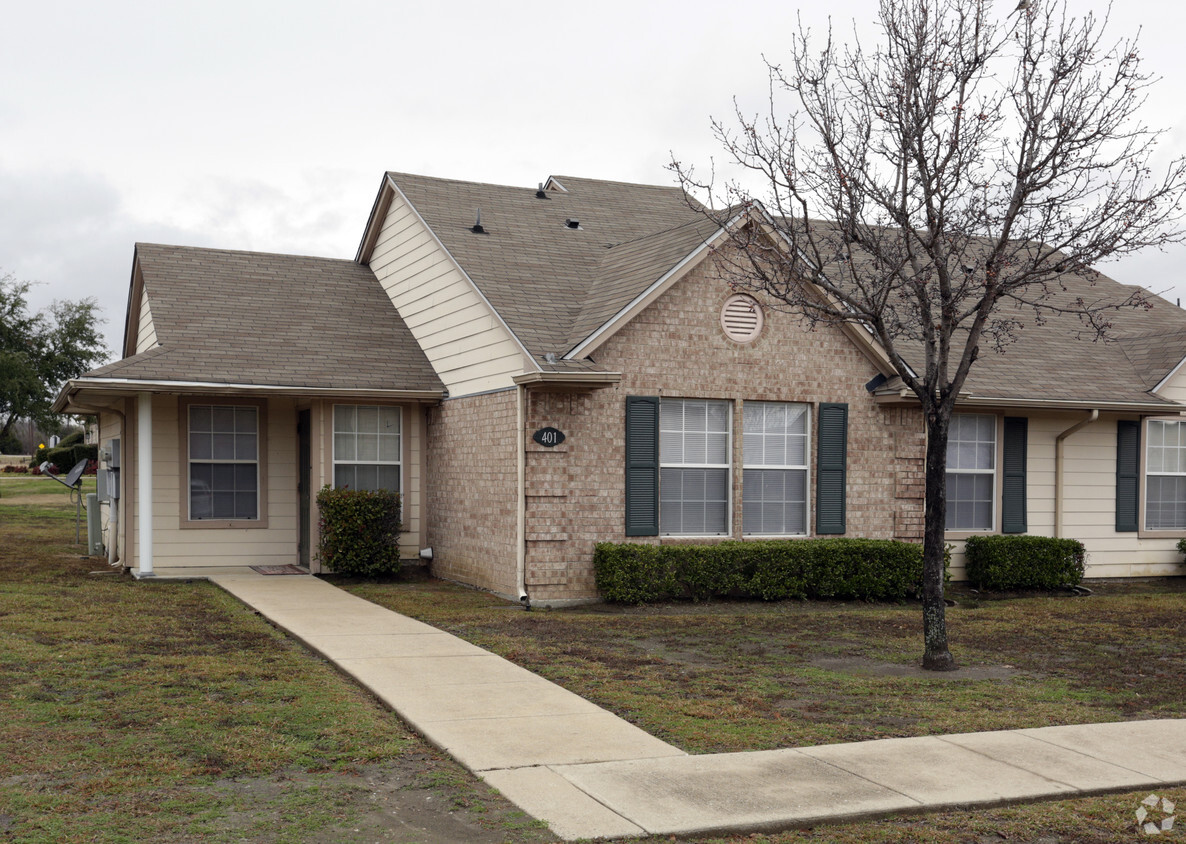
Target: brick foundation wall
{"x":470,"y":490}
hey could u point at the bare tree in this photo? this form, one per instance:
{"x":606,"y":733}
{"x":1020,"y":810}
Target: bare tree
{"x":966,"y":163}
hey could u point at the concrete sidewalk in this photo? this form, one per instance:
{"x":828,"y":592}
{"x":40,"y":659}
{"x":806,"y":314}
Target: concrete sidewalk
{"x":590,"y":774}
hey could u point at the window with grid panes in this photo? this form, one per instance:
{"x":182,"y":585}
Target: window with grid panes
{"x":971,"y":471}
{"x":367,"y":447}
{"x":774,"y":479}
{"x":694,"y":467}
{"x":1165,"y":476}
{"x":223,"y":462}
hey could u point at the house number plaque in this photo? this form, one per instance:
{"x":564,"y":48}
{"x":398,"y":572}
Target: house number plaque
{"x":548,"y":437}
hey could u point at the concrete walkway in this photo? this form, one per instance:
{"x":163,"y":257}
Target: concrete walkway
{"x":589,"y":774}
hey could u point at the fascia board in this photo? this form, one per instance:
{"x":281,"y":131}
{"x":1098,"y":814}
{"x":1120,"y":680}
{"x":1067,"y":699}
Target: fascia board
{"x":591,"y":379}
{"x":1164,"y":408}
{"x":494,"y":311}
{"x":135,"y":294}
{"x":131,"y":385}
{"x":370,"y":232}
{"x":639,"y":302}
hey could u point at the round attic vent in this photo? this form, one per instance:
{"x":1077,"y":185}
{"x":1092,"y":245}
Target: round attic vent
{"x":741,"y":318}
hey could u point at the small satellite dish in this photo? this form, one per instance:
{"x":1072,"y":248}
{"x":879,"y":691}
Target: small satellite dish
{"x":72,"y":476}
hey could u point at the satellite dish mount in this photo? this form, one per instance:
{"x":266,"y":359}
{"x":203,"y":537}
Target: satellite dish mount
{"x":73,"y":480}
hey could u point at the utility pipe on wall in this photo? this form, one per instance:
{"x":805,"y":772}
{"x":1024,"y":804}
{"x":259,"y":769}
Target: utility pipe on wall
{"x":144,"y":481}
{"x":1058,"y":450}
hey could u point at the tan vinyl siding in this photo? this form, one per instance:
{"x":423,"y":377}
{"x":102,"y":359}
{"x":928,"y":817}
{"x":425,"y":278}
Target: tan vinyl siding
{"x":468,"y":347}
{"x":174,"y":547}
{"x":1175,"y":388}
{"x":1089,"y":500}
{"x":145,"y":330}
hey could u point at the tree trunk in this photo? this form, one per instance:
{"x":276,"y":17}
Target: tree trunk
{"x":936,"y":656}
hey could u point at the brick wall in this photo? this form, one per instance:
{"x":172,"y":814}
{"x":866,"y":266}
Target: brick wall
{"x":676,"y":348}
{"x":470,"y":491}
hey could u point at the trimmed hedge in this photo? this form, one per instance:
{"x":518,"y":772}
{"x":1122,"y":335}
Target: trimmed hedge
{"x":1024,"y":562}
{"x":858,"y":569}
{"x":359,"y":531}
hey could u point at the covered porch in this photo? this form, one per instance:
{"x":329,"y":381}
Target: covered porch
{"x":210,"y":478}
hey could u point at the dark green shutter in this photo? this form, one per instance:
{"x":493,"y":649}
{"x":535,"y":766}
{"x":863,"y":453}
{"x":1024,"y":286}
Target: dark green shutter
{"x":831,"y":468}
{"x":1013,"y":501}
{"x":1128,"y":472}
{"x":642,"y":465}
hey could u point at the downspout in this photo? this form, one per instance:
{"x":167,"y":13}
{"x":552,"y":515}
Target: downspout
{"x":1058,"y":471}
{"x":521,"y":495}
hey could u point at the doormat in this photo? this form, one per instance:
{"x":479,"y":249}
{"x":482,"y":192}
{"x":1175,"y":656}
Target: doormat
{"x":287,"y":569}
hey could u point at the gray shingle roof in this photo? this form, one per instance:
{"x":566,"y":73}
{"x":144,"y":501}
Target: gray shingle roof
{"x":276,"y":320}
{"x":554,"y":285}
{"x":1061,"y":360}
{"x":1056,"y":356}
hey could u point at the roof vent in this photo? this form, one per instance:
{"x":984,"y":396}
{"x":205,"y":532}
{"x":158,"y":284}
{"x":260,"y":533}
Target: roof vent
{"x":741,"y":318}
{"x":572,"y":223}
{"x":477,"y":226}
{"x":541,"y":193}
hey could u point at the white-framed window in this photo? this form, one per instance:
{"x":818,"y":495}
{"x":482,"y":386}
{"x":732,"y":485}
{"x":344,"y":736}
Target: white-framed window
{"x":223,"y":462}
{"x":971,"y":472}
{"x":1165,"y":475}
{"x":774,"y":442}
{"x":694,"y":448}
{"x":367,"y":447}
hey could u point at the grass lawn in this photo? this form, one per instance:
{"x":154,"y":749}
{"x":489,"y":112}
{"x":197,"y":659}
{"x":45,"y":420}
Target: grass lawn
{"x":731,"y":676}
{"x":169,"y":712}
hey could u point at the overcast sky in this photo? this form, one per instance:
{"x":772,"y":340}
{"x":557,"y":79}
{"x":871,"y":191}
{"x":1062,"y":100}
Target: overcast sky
{"x":268,"y":126}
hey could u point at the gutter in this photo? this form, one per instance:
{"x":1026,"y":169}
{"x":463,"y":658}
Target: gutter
{"x":1058,"y":466}
{"x":1162,"y":408}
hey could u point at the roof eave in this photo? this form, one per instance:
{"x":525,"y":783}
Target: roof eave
{"x":128,"y":386}
{"x":1164,"y":408}
{"x":569,"y":379}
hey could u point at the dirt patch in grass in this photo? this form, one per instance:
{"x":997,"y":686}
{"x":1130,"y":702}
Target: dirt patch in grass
{"x":872,"y":668}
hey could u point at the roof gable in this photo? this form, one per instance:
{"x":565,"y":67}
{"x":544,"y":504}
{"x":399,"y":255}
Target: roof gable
{"x":555,"y":268}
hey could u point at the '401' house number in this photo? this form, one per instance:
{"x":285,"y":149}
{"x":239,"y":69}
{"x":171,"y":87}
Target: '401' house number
{"x":548,"y":437}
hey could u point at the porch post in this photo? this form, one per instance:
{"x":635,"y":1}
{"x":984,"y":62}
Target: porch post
{"x":144,"y":481}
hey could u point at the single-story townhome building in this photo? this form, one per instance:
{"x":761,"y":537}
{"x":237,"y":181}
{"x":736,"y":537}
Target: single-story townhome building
{"x":539,"y":370}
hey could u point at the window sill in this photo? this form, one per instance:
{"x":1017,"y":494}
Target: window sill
{"x":223,"y":524}
{"x":960,"y":535}
{"x":1145,"y":533}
